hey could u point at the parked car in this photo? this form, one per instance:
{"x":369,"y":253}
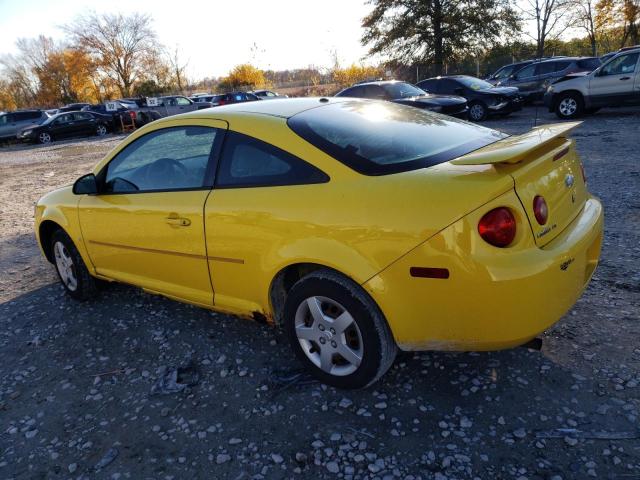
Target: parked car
{"x":614,"y":84}
{"x":407,"y":94}
{"x":236,"y":97}
{"x":534,"y":79}
{"x":73,"y":107}
{"x":483,"y":98}
{"x":211,"y":98}
{"x":395,"y":237}
{"x":124,"y":114}
{"x":505,"y":72}
{"x":268,"y":94}
{"x":12,"y":122}
{"x":65,"y":125}
{"x":604,"y":58}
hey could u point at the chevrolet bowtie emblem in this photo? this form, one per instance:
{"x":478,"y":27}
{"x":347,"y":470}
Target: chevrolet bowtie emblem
{"x":568,"y":180}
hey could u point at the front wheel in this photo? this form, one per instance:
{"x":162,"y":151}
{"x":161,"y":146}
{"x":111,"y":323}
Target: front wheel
{"x":44,"y":138}
{"x":477,"y":112}
{"x":337,"y":331}
{"x":569,"y":105}
{"x":72,"y":271}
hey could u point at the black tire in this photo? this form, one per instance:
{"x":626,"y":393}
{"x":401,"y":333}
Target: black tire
{"x":378,"y":348}
{"x":569,"y":105}
{"x":478,"y":111}
{"x":101,"y":130}
{"x":85,"y":285}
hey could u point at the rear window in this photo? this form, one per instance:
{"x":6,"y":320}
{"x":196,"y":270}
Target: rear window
{"x":380,"y":138}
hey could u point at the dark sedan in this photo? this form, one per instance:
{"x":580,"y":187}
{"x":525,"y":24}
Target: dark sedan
{"x":65,"y":125}
{"x":407,"y":94}
{"x":484,"y":99}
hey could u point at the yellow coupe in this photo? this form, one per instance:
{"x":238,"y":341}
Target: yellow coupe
{"x":358,"y":226}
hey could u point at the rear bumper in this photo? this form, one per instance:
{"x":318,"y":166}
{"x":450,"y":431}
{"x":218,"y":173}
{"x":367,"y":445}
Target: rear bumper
{"x":494,"y":298}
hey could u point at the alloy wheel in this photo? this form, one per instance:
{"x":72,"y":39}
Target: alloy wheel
{"x":329,"y":336}
{"x":101,"y":130}
{"x":476,"y":112}
{"x":64,"y":264}
{"x":44,"y":137}
{"x":568,"y":106}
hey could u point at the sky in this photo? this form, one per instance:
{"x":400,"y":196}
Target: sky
{"x":214,"y":36}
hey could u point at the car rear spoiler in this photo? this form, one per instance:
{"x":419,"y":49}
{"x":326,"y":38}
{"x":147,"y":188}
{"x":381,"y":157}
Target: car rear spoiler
{"x":515,"y":149}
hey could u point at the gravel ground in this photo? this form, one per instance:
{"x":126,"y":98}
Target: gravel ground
{"x":76,"y":397}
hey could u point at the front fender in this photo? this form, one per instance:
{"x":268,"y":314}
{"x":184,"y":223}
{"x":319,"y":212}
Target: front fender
{"x":60,"y":208}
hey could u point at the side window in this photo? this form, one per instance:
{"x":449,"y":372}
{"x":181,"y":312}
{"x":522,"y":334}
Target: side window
{"x":589,"y":64}
{"x":620,"y":65}
{"x":526,"y":72}
{"x":82,"y":116}
{"x":249,"y":162}
{"x":448,"y":86}
{"x":559,"y":66}
{"x":375,"y":91}
{"x":546,"y":67}
{"x":4,"y":119}
{"x":62,"y":119}
{"x":168,"y":159}
{"x":429,"y":86}
{"x":182,"y":101}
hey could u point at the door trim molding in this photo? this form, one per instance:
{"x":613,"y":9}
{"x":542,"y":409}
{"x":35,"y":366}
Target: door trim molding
{"x":168,"y":252}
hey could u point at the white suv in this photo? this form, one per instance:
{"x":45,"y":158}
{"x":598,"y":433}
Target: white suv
{"x":614,"y":84}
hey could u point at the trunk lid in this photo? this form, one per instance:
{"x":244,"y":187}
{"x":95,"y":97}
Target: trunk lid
{"x":541,"y":162}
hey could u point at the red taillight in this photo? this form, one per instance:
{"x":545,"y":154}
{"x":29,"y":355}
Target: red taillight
{"x":498,"y":227}
{"x":584,"y":175}
{"x":540,"y":209}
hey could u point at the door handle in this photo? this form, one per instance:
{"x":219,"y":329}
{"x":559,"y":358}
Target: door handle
{"x":625,"y":78}
{"x":175,"y":220}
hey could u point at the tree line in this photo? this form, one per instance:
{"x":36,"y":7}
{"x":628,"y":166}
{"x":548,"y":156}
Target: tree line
{"x":106,"y":56}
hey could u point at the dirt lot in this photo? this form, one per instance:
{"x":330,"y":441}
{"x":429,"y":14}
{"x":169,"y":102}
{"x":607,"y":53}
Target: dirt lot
{"x":76,"y":379}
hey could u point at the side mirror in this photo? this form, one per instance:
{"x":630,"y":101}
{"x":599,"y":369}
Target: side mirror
{"x":86,"y":185}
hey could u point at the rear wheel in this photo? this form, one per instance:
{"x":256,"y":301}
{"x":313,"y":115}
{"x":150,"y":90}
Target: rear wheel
{"x":569,"y":105}
{"x":101,"y":130}
{"x":72,"y":271}
{"x":337,"y":331}
{"x":478,"y":111}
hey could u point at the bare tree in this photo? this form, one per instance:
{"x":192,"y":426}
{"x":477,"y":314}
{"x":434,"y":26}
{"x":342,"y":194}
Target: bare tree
{"x":584,"y":18}
{"x":118,"y":43}
{"x":178,"y":68}
{"x":551,"y":19}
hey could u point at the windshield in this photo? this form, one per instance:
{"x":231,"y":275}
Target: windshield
{"x":379,"y":138}
{"x":402,"y":90}
{"x":504,"y":72}
{"x":474,"y":83}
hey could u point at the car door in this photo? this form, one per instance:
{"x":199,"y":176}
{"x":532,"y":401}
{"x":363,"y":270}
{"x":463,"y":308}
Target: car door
{"x":185,"y":105}
{"x":524,"y":79}
{"x":245,"y":216}
{"x":146,"y":225}
{"x":85,"y":123}
{"x":613,"y":83}
{"x":171,"y":106}
{"x":62,"y":126}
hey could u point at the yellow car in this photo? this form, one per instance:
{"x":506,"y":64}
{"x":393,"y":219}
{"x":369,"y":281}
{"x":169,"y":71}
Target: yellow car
{"x":358,"y":226}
